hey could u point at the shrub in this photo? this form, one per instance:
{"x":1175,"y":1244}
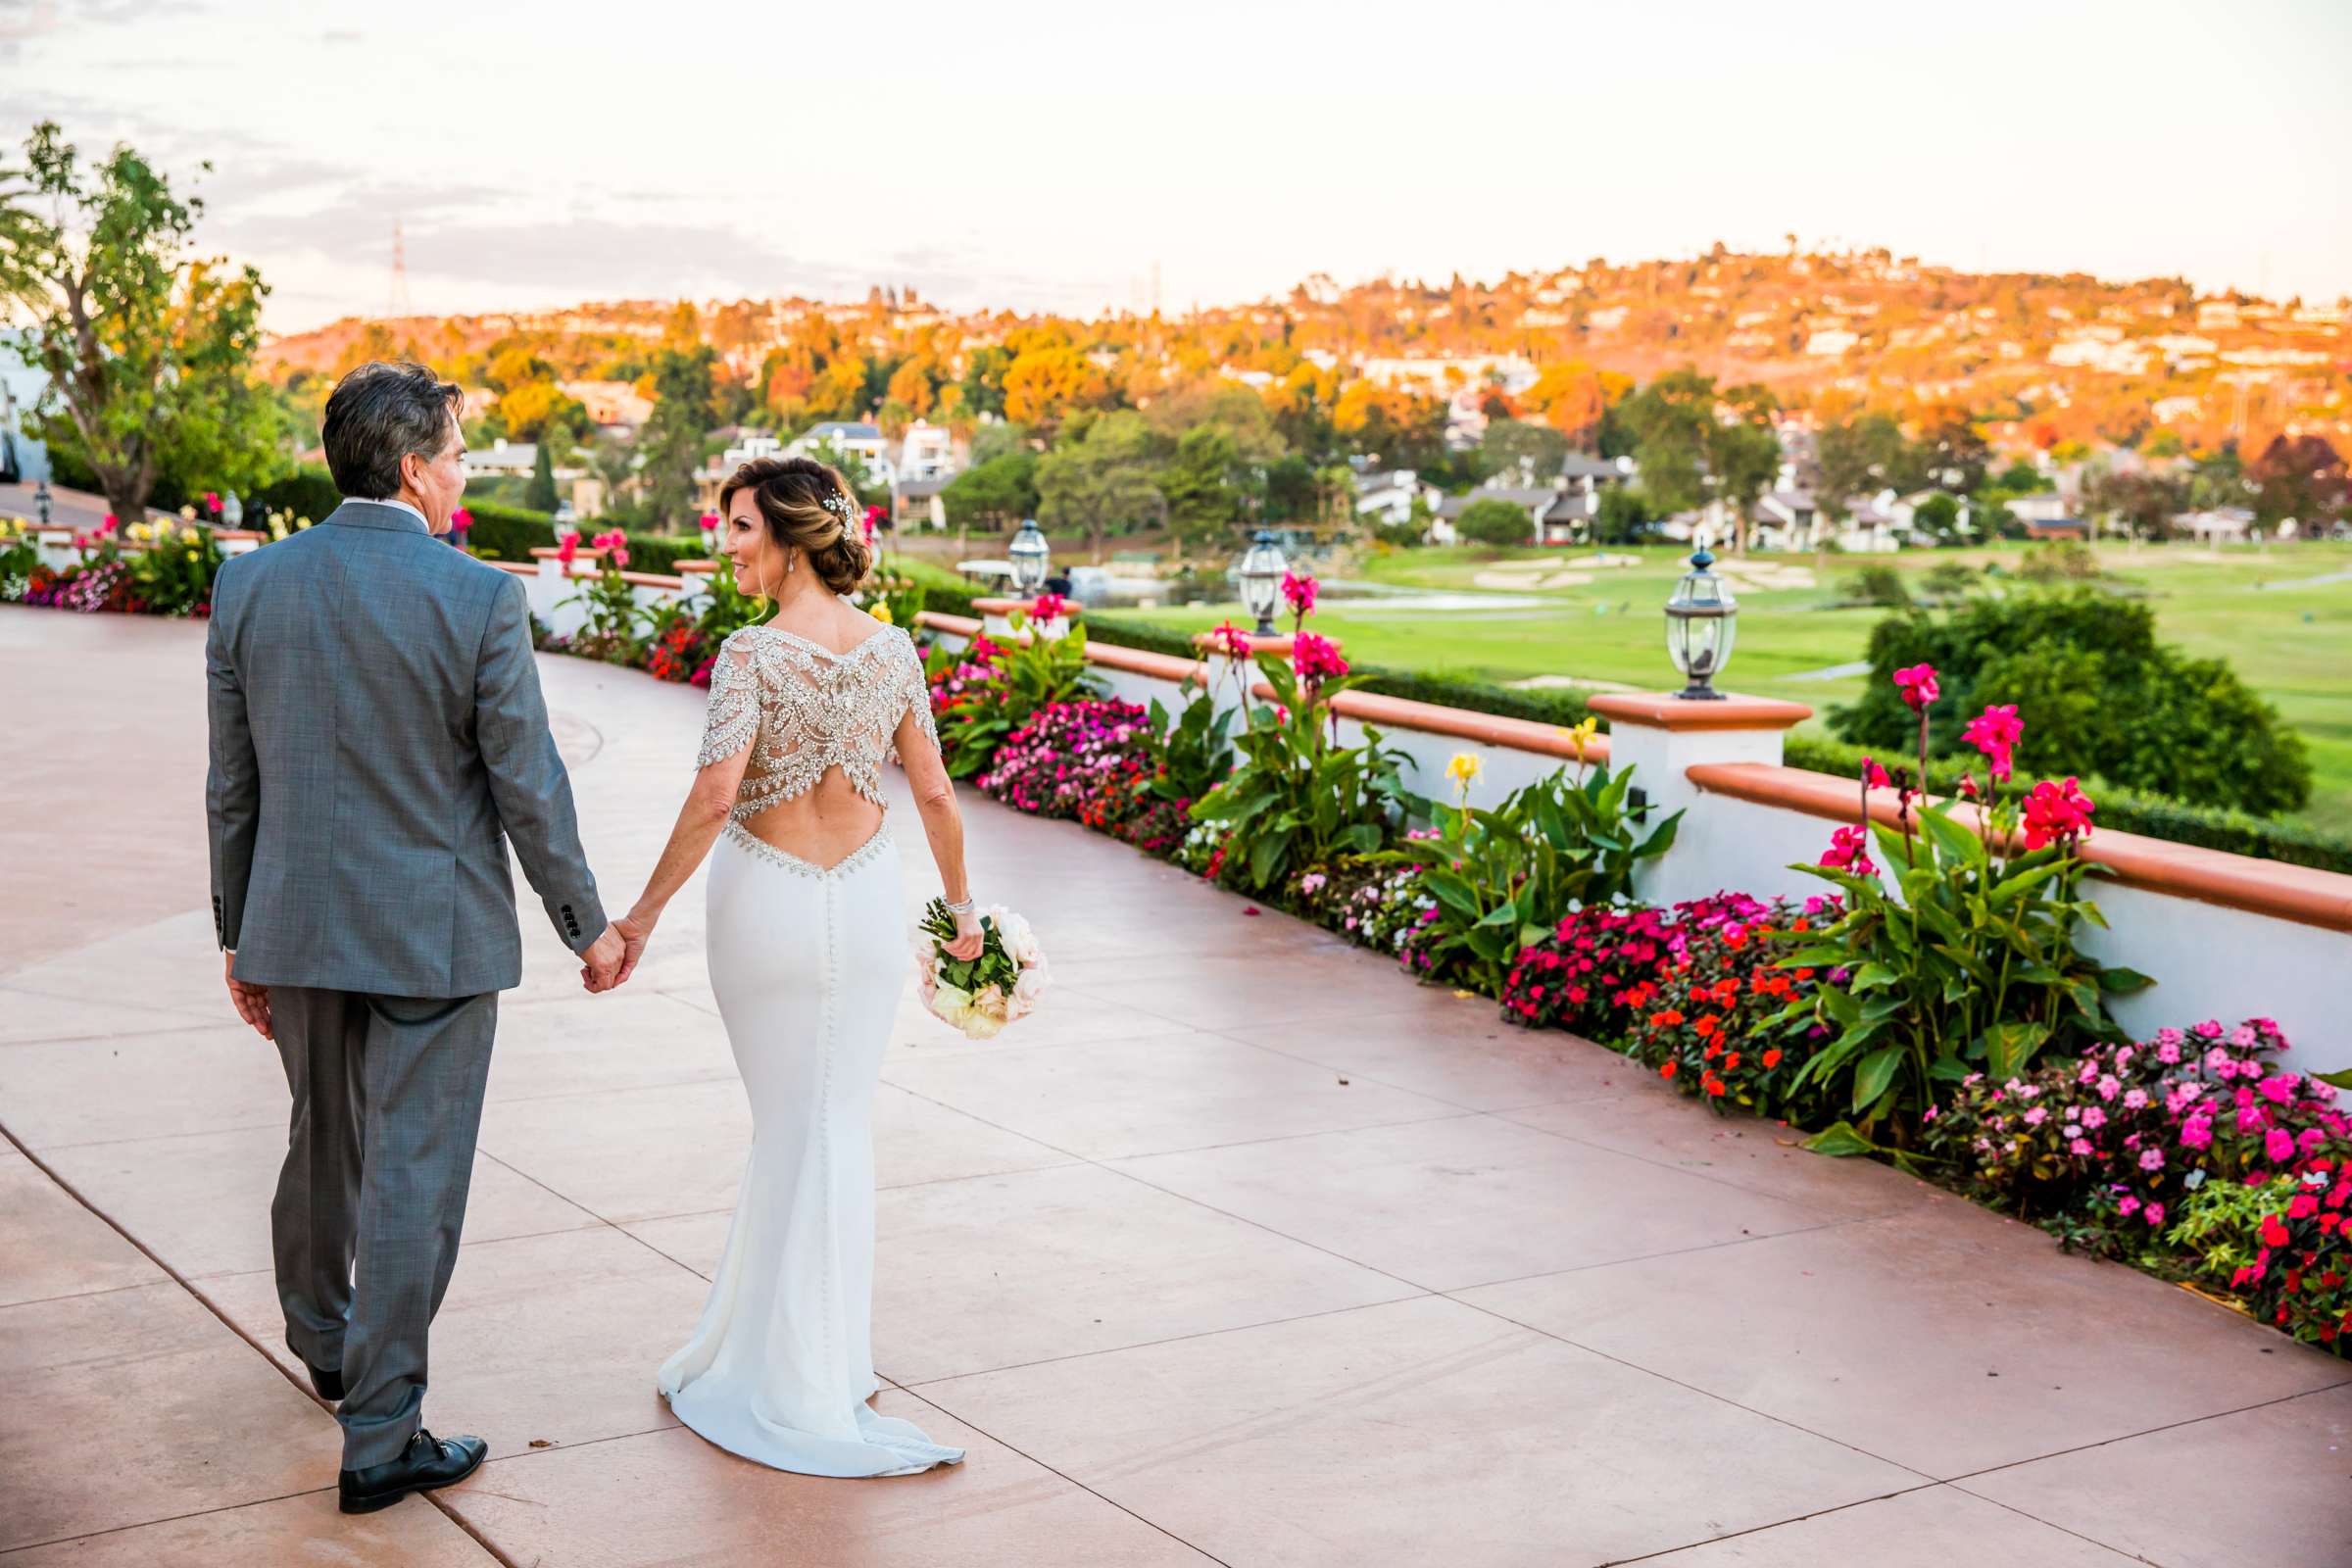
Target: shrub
{"x":2280,"y":1246}
{"x":2098,"y":695}
{"x":1877,"y":584}
{"x":1703,"y":1025}
{"x":1503,"y":878}
{"x":1496,"y":523}
{"x":1092,"y":760}
{"x":1297,"y":799}
{"x":984,"y":693}
{"x":2118,"y":1136}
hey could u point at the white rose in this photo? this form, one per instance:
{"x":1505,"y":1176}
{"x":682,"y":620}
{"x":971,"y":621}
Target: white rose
{"x":1029,"y":987}
{"x":980,"y":1027}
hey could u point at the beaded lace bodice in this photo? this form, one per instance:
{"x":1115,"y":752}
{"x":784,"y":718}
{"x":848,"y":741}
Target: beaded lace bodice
{"x":804,"y":709}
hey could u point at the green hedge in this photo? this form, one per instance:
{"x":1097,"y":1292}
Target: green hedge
{"x":2119,"y":806}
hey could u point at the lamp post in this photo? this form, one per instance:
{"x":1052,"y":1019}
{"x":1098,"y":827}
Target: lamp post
{"x":1030,"y":554}
{"x":41,"y":500}
{"x":1260,"y":577}
{"x":1701,"y":619}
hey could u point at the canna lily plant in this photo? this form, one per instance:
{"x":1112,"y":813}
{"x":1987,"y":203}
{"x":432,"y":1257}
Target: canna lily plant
{"x":1968,"y":963}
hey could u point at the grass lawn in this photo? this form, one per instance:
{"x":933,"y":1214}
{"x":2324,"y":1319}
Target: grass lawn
{"x":2292,"y":643}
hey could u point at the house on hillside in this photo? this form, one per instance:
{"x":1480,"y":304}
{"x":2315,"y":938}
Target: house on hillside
{"x":2058,"y":528}
{"x":501,"y":459}
{"x":2042,"y":506}
{"x":2223,"y":525}
{"x":1555,"y":517}
{"x":1386,"y":496}
{"x":927,"y":452}
{"x":919,"y":503}
{"x":1787,"y":519}
{"x":858,"y":439}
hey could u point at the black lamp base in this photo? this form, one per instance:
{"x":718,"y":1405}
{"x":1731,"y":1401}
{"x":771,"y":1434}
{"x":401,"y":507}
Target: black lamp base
{"x":1698,"y":691}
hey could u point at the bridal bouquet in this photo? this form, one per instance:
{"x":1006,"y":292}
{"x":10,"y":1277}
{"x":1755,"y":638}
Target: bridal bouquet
{"x":979,"y":996}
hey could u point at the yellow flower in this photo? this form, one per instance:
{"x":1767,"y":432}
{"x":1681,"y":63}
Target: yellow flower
{"x":1580,"y":736}
{"x":191,"y":555}
{"x":881,"y":613}
{"x":1464,"y":767}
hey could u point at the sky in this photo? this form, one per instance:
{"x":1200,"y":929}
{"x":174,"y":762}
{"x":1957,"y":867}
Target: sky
{"x":1052,"y":156}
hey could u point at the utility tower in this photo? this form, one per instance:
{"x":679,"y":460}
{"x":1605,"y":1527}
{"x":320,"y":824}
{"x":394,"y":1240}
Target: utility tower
{"x":399,"y":303}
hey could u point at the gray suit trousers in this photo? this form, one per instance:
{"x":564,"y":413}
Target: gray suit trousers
{"x":380,"y":1156}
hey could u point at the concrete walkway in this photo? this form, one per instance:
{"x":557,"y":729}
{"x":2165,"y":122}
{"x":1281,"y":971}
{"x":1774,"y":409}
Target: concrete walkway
{"x":1246,"y":1251}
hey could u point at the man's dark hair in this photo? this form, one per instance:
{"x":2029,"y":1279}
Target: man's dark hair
{"x":378,"y":415}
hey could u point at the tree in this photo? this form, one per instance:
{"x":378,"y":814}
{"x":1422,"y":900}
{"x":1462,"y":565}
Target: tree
{"x":1670,"y":420}
{"x":2300,"y":477}
{"x":148,"y":350}
{"x":1204,"y":500}
{"x":1531,"y":453}
{"x":992,"y":494}
{"x":540,"y":494}
{"x":1619,"y":515}
{"x":1861,"y":456}
{"x":2146,"y":503}
{"x":1744,"y":458}
{"x":1102,"y":482}
{"x":1951,"y":452}
{"x":671,"y":443}
{"x":1938,"y":517}
{"x":1045,"y":383}
{"x":1495,"y":522}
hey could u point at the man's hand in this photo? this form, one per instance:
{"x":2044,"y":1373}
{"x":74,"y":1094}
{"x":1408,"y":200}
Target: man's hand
{"x":252,"y":1001}
{"x":635,"y":932}
{"x":602,"y":961}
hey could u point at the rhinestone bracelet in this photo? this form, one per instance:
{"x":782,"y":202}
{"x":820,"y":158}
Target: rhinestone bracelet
{"x":966,"y":908}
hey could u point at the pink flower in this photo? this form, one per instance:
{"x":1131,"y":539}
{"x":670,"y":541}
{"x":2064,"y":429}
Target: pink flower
{"x":710,"y":521}
{"x":1046,"y":607}
{"x":2108,"y":1086}
{"x":1918,"y":686}
{"x":1874,"y":776}
{"x":2094,"y":1117}
{"x":615,"y":546}
{"x":2128,"y":1206}
{"x":1231,"y":641}
{"x":2155,"y":1213}
{"x":2136,"y":1099}
{"x":2037,"y":1116}
{"x":2152,"y":1158}
{"x":1316,"y":659}
{"x":567,"y":548}
{"x":2055,"y":812}
{"x":2279,"y":1146}
{"x":2082,"y":1146}
{"x":1298,"y":592}
{"x":1848,"y":852}
{"x":1995,"y":732}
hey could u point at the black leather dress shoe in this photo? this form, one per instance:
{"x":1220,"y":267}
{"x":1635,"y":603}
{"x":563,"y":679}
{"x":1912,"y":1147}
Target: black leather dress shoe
{"x":328,"y":1380}
{"x":425,"y":1463}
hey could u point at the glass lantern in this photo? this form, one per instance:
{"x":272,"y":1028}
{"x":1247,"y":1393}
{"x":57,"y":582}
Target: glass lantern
{"x":1260,"y":575}
{"x":1030,"y":554}
{"x":1702,"y":620}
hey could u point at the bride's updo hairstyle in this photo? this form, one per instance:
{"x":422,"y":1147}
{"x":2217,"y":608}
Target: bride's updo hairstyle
{"x":808,"y":508}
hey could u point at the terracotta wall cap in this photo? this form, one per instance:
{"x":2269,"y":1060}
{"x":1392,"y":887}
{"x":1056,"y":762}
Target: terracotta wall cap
{"x":651,"y":579}
{"x":239,"y":533}
{"x":1279,"y":645}
{"x":1660,"y":710}
{"x":2302,"y":894}
{"x":550,"y":553}
{"x":1462,"y":724}
{"x":695,"y":568}
{"x":1006,"y":606}
{"x":1143,"y":661}
{"x":953,"y":626}
{"x":520,"y":568}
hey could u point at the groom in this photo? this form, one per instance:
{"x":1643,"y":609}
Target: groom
{"x":378,"y":739}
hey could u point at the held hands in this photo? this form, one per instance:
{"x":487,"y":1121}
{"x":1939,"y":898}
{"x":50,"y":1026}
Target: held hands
{"x":969,"y":938}
{"x":251,"y":1001}
{"x":602,"y":963}
{"x":613,"y":958}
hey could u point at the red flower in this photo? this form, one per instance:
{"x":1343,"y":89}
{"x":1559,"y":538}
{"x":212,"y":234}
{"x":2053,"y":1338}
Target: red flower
{"x":1772,"y":1058}
{"x":1316,"y":658}
{"x":566,"y":548}
{"x":1666,"y":1071}
{"x":1874,"y":776}
{"x":1298,"y":592}
{"x":1995,"y":732}
{"x":1046,"y":607}
{"x":1918,"y":686}
{"x":2056,"y":810}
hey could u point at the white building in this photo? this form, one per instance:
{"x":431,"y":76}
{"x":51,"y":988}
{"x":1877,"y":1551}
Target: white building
{"x":928,"y":452}
{"x":860,"y":440}
{"x":501,"y":459}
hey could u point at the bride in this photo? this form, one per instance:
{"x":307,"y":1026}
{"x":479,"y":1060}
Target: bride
{"x":809,"y":954}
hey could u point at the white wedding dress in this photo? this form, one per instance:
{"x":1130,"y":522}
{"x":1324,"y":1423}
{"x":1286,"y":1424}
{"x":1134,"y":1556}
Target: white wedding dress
{"x":809,"y":964}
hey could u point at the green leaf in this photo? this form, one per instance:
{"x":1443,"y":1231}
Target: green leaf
{"x":2341,"y":1079}
{"x":1839,"y":1141}
{"x":1871,"y":976}
{"x":1955,"y":842}
{"x":2119,"y":978}
{"x":1266,"y":855}
{"x":1451,"y":891}
{"x":1877,"y":1071}
{"x":2010,"y":1045}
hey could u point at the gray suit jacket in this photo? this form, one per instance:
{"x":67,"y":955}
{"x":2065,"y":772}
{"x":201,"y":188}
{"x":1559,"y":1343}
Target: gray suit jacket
{"x":377,"y":735}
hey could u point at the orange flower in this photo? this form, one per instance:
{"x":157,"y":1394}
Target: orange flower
{"x":1665,"y":1020}
{"x":1707,"y":1026}
{"x":1666,"y":1071}
{"x":1772,"y":1058}
{"x":1731,"y":1062}
{"x":1804,"y":974}
{"x":1800,"y":926}
{"x":1711,"y":1051}
{"x":1713,"y":1086}
{"x":1726,"y":989}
